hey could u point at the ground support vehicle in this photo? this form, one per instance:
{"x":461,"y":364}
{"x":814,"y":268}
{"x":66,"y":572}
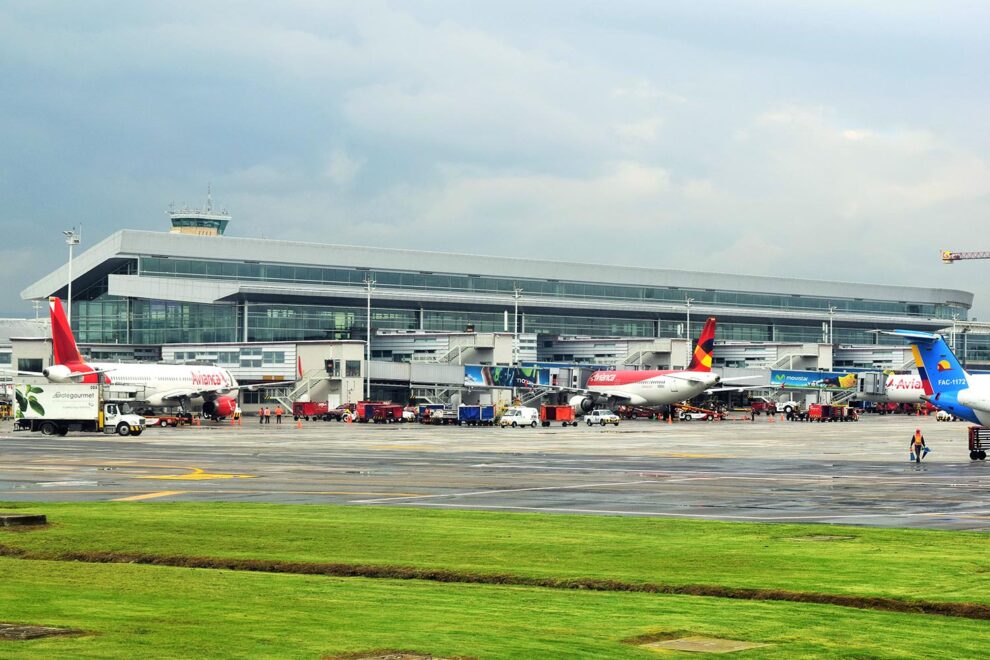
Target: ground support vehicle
{"x":762,"y":405}
{"x":634,"y":412}
{"x":552,"y":413}
{"x":476,"y":415}
{"x":340,"y":413}
{"x":441,"y":416}
{"x":426,"y":411}
{"x":169,"y":420}
{"x":365,"y":410}
{"x":387,"y":413}
{"x":687,"y":413}
{"x":57,"y":408}
{"x":310,"y":410}
{"x":601,"y":417}
{"x":823,"y":412}
{"x":519,"y":416}
{"x":979,"y":442}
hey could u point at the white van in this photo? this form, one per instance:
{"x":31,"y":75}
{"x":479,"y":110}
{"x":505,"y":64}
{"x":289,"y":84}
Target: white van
{"x":520,"y":416}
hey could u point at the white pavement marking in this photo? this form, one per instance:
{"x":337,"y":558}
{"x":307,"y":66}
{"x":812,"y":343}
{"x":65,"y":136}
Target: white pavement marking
{"x":503,"y":490}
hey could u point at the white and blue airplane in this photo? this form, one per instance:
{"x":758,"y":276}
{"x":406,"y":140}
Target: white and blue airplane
{"x":945,"y":383}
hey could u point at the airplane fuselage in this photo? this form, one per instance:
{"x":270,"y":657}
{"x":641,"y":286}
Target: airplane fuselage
{"x":899,"y":388}
{"x":651,"y":388}
{"x":163,"y":385}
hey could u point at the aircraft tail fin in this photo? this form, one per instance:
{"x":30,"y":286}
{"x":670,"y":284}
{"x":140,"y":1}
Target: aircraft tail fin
{"x":938,"y":368}
{"x":63,"y":343}
{"x":701,"y":360}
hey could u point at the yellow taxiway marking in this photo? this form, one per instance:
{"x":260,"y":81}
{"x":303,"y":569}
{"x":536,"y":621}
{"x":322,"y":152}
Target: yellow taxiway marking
{"x":198,"y":474}
{"x":148,"y":496}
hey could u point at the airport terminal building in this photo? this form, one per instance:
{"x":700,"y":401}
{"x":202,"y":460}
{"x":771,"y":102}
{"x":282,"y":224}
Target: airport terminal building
{"x":145,"y":295}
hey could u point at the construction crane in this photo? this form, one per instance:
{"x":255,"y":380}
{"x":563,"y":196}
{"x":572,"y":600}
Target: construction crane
{"x":948,"y":256}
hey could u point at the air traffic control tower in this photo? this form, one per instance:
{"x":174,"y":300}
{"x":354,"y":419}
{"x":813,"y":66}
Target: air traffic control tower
{"x":203,"y":222}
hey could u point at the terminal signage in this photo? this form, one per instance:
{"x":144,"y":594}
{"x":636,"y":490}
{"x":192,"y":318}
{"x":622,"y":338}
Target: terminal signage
{"x":485,"y":376}
{"x":814,"y":380}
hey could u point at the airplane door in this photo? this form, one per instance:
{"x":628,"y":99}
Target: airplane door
{"x":673,"y":384}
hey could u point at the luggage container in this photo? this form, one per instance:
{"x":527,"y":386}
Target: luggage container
{"x":552,"y":413}
{"x":476,"y":415}
{"x":387,"y":413}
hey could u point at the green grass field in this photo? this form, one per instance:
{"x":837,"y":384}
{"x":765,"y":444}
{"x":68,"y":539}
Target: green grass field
{"x":158,"y":611}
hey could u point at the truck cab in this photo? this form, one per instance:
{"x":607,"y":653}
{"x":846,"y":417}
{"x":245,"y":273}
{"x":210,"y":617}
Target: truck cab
{"x":115,"y":420}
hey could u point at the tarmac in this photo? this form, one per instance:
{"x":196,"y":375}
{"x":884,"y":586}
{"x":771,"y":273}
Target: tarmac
{"x":849,"y":473}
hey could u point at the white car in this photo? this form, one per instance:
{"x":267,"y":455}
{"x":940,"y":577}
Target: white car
{"x":520,"y":416}
{"x":601,"y":417}
{"x":689,"y":415}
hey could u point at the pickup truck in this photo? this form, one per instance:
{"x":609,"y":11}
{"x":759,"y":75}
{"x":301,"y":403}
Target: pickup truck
{"x":601,"y":417}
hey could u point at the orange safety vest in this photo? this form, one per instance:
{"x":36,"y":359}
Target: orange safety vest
{"x":918,"y":439}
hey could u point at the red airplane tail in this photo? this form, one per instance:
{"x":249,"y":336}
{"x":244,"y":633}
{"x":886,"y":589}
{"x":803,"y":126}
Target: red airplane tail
{"x":63,"y":343}
{"x":702,"y":358}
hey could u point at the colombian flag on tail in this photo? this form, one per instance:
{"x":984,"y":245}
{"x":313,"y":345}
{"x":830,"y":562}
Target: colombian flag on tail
{"x":702,"y":358}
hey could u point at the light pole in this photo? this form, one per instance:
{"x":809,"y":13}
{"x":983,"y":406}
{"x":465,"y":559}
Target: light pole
{"x":831,"y":317}
{"x":369,"y":282}
{"x":955,"y":317}
{"x":516,"y":294}
{"x":687,"y":346}
{"x":72,"y":238}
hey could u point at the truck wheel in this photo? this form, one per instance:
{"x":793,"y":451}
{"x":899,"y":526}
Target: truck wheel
{"x":533,"y":425}
{"x":49,"y":428}
{"x":163,"y":423}
{"x":589,"y":422}
{"x":123,"y":430}
{"x":514,"y":425}
{"x":983,"y":455}
{"x":602,"y":422}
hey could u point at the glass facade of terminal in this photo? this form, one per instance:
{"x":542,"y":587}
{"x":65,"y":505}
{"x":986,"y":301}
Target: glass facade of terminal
{"x":99,"y":318}
{"x":261,"y":272}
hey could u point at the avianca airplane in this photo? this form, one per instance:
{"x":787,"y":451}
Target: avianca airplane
{"x":898,"y":388}
{"x":654,"y":388}
{"x":946,"y":384}
{"x":164,"y":385}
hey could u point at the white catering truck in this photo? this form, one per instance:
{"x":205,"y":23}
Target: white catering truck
{"x":57,"y":408}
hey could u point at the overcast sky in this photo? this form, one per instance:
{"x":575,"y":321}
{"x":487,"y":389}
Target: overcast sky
{"x":813,"y":139}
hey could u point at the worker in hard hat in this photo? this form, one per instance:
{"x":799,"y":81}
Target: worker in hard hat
{"x":917,"y":446}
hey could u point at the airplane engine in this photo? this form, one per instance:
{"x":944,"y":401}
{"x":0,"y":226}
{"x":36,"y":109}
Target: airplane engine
{"x":58,"y":373}
{"x":220,"y":407}
{"x":582,"y":404}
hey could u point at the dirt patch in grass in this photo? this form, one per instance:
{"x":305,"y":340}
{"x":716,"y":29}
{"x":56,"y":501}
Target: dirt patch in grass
{"x":955,"y":609}
{"x":23,"y":631}
{"x":824,"y":537}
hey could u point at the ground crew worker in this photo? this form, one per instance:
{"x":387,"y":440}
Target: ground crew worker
{"x":237,"y":413}
{"x":278,"y":414}
{"x":268,"y":415}
{"x":261,"y":415}
{"x":917,"y":445}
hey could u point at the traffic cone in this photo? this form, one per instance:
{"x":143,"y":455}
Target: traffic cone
{"x":670,"y":418}
{"x":781,"y":418}
{"x":298,"y":423}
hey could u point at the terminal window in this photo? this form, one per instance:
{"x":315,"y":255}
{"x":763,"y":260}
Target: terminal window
{"x":30,"y":364}
{"x":353,"y":369}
